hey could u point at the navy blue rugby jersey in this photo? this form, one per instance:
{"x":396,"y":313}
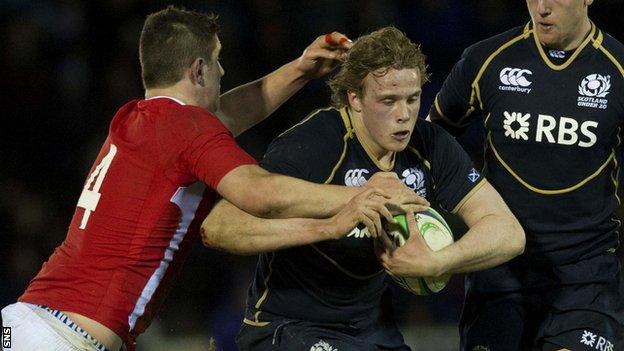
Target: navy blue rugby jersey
{"x":552,"y":125}
{"x":341,"y":281}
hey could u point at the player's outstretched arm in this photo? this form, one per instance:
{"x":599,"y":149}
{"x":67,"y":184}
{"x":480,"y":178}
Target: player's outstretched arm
{"x":494,"y":236}
{"x":270,"y":195}
{"x":231,"y":229}
{"x":248,"y":104}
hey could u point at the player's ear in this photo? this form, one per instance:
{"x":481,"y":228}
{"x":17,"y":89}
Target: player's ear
{"x":355,"y":101}
{"x":198,"y":71}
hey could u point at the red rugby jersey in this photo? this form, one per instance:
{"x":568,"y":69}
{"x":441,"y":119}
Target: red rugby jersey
{"x":146,"y":195}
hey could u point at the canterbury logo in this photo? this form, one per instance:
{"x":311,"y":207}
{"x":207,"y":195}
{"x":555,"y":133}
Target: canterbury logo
{"x":515,"y":77}
{"x":355,"y":177}
{"x":558,"y":54}
{"x":359,"y":233}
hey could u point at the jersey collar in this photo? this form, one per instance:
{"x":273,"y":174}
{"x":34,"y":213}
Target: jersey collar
{"x":346,"y":117}
{"x":167,"y":97}
{"x":570,"y":59}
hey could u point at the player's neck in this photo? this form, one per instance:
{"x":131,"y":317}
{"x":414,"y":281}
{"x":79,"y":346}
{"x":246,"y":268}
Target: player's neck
{"x":384,"y":159}
{"x":173,"y":91}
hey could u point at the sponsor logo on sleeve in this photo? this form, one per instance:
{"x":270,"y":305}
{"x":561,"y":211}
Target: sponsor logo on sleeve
{"x":473,"y":175}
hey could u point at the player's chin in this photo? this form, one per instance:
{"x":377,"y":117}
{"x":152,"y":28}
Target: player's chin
{"x":397,"y":145}
{"x":549,"y":38}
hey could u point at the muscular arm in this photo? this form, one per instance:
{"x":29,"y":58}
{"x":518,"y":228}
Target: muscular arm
{"x":494,"y":237}
{"x":270,"y":195}
{"x":231,"y":229}
{"x":265,"y":194}
{"x":248,"y":104}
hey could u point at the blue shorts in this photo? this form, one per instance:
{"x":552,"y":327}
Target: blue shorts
{"x":572,"y":315}
{"x":295,"y":335}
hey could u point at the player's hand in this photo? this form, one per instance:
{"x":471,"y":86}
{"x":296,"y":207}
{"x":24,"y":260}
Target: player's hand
{"x":414,"y":259}
{"x":402,"y":199}
{"x":367,"y":208}
{"x":323,"y":55}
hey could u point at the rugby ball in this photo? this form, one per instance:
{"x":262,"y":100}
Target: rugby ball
{"x":437,"y":234}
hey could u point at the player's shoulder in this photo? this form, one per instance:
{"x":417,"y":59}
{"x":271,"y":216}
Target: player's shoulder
{"x":327,"y":122}
{"x":310,"y":149}
{"x":613,"y":46}
{"x":192,"y":113}
{"x":428,"y":138}
{"x":479,"y":51}
{"x":176,"y":116}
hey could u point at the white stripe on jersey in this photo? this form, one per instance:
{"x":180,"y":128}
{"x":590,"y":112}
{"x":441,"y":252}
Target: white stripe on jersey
{"x":187,"y":199}
{"x":166,"y":97}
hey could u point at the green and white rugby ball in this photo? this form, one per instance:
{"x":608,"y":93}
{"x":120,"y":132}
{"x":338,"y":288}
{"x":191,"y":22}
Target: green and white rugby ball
{"x":437,"y":234}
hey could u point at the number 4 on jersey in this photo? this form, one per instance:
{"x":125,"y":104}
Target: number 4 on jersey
{"x":90,"y":198}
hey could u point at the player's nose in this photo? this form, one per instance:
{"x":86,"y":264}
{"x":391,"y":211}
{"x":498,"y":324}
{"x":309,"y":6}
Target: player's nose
{"x":402,"y":112}
{"x":543,"y":7}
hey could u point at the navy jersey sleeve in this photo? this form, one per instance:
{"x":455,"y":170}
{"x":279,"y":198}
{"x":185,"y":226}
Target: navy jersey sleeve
{"x":309,"y":150}
{"x":456,"y":102}
{"x":453,"y":173}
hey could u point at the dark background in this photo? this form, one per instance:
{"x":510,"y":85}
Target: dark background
{"x":66,"y":66}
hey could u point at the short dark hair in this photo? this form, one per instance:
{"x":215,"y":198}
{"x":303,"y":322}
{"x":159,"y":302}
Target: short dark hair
{"x":383,"y":49}
{"x":171,"y":40}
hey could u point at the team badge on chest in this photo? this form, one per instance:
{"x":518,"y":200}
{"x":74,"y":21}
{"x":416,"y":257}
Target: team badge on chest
{"x":593,"y":90}
{"x":414,"y":178}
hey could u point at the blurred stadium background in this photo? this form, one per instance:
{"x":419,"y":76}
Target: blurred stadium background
{"x":67,"y":65}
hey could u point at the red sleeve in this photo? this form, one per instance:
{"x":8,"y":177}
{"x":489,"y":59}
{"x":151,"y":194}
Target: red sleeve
{"x":214,"y":153}
{"x":207,"y":149}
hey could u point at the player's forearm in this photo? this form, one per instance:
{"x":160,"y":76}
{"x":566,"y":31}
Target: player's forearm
{"x":493,"y":240}
{"x":287,"y":197}
{"x":248,"y":104}
{"x":231,"y":229}
{"x":269,"y":195}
